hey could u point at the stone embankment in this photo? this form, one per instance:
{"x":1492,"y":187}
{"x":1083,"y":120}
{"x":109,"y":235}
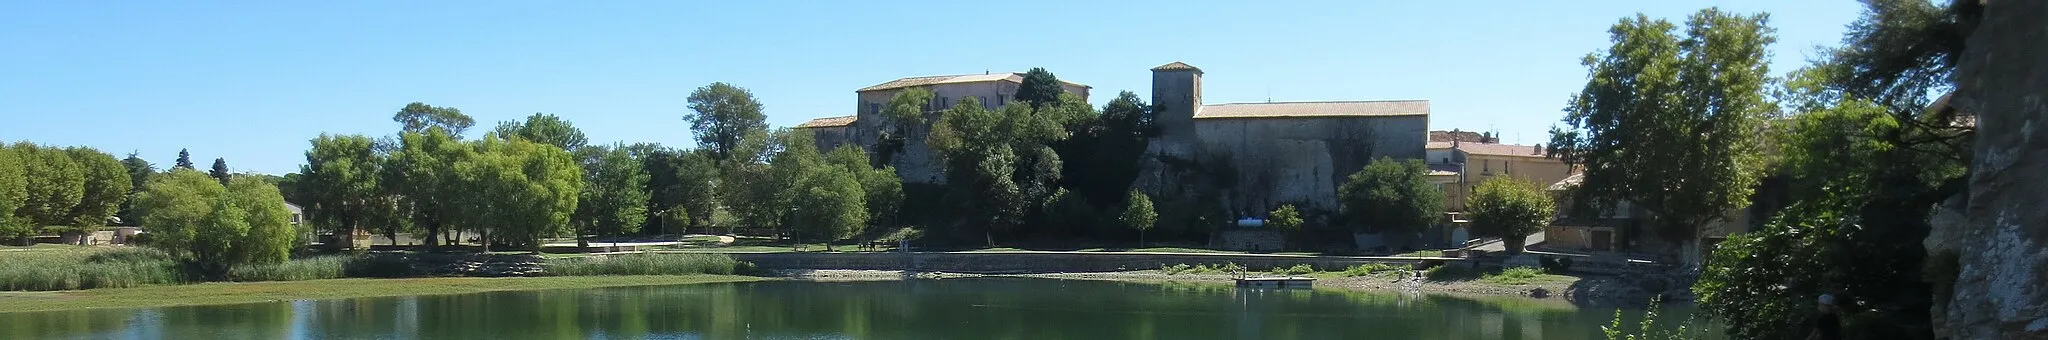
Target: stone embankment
{"x":1028,"y":262}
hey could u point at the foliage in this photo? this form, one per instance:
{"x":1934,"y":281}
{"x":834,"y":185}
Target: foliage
{"x":106,"y":186}
{"x":520,"y":191}
{"x":723,"y":116}
{"x":1514,"y":276}
{"x":1670,"y":124}
{"x":341,"y":183}
{"x":613,"y":201}
{"x":1374,"y":268}
{"x":220,"y":171}
{"x":882,"y":189}
{"x":1102,"y":158}
{"x":680,"y":183}
{"x":184,"y":160}
{"x":645,"y":264}
{"x":425,"y":177}
{"x":55,"y":184}
{"x":1450,"y":272}
{"x":13,"y":193}
{"x":999,"y":164}
{"x":1138,"y":214}
{"x":87,"y":268}
{"x":1762,"y":284}
{"x":545,"y":129}
{"x":1390,"y":196}
{"x":270,"y":236}
{"x":1040,"y":87}
{"x":1508,"y":207}
{"x":191,"y":216}
{"x":905,"y":113}
{"x":1299,"y":269}
{"x":832,"y":205}
{"x":323,"y":267}
{"x":1648,"y":331}
{"x":1285,"y":219}
{"x":419,"y":117}
{"x":1201,"y":269}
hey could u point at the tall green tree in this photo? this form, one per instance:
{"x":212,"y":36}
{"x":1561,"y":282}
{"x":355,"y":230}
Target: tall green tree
{"x":1138,"y":214}
{"x":220,"y":171}
{"x":139,"y":171}
{"x":107,"y":184}
{"x":1103,"y":156}
{"x":833,"y":206}
{"x":545,"y":129}
{"x":184,"y":160}
{"x":722,"y":115}
{"x":428,"y":181}
{"x":613,"y":201}
{"x":521,"y":192}
{"x":217,"y":227}
{"x":1390,"y":196}
{"x":1511,"y":209}
{"x":680,"y":187}
{"x":1672,"y":124}
{"x":13,"y":193}
{"x":55,"y":184}
{"x":797,"y":157}
{"x":418,"y":117}
{"x":1040,"y":87}
{"x":883,"y":190}
{"x":270,"y":236}
{"x":342,"y":174}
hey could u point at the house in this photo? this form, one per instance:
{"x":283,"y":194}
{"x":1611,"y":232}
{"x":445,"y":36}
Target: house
{"x":1475,"y":162}
{"x":1624,"y":228}
{"x":915,"y":165}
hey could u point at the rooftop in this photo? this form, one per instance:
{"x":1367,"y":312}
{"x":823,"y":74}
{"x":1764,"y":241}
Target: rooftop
{"x":1177,"y":66}
{"x":1488,"y":149}
{"x":828,"y":122}
{"x":1315,"y":109}
{"x":952,"y":79}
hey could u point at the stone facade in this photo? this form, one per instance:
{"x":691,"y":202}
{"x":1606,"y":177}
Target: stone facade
{"x":915,"y":164}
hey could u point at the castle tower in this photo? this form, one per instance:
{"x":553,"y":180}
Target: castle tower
{"x":1176,"y":95}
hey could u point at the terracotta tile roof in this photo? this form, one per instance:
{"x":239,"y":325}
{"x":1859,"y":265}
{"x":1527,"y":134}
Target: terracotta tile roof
{"x":828,"y":122}
{"x":1315,"y":109}
{"x":952,"y":79}
{"x":1568,"y":182}
{"x":1177,"y":66}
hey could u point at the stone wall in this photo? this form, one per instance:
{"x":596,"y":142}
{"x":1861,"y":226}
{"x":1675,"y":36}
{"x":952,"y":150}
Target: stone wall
{"x":2001,"y":246}
{"x":1251,"y":239}
{"x":1303,"y":160}
{"x":1046,"y":262}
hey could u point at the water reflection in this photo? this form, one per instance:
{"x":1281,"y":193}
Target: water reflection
{"x":945,"y":309}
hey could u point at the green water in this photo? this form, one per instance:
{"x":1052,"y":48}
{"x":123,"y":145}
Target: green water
{"x":921,"y":309}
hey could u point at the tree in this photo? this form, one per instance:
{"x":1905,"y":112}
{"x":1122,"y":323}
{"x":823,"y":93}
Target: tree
{"x":342,"y":175}
{"x":999,"y":164}
{"x":832,"y":207}
{"x":193,"y":216}
{"x":905,"y":113}
{"x":722,"y":116}
{"x":520,"y":191}
{"x":1039,"y":88}
{"x":220,"y":171}
{"x":796,"y":159}
{"x":1672,"y":125}
{"x":418,"y":117}
{"x":1138,"y":214}
{"x":883,"y":190}
{"x":1509,"y":208}
{"x":107,"y":184}
{"x":139,"y":171}
{"x":13,"y":193}
{"x":1103,"y":156}
{"x":184,"y":160}
{"x":614,"y":197}
{"x":55,"y":184}
{"x":545,"y":129}
{"x":1390,"y":196}
{"x":1285,"y":219}
{"x":423,"y":172}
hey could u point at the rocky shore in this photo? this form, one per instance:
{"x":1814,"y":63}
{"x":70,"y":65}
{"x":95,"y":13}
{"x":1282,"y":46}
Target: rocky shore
{"x":1591,"y":290}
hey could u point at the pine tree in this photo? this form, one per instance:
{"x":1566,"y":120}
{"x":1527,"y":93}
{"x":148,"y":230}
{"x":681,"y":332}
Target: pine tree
{"x":184,"y":160}
{"x":220,"y":171}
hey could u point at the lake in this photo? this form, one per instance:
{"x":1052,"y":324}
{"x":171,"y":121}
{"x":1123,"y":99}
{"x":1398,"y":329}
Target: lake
{"x":985,"y":308}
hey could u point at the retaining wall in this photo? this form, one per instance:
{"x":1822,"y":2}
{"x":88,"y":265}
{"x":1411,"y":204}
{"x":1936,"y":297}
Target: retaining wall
{"x":1054,"y":262}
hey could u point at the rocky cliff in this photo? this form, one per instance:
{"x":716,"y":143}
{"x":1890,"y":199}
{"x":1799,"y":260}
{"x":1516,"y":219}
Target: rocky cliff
{"x":2000,"y":246}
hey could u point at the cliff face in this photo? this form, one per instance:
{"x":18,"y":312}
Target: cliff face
{"x":2001,"y":246}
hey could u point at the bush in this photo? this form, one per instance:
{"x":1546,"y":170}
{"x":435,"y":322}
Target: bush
{"x":1370,"y":269}
{"x":646,"y":264}
{"x":1299,"y":269}
{"x":323,"y":267}
{"x":1183,"y":268}
{"x":1450,"y":273}
{"x":1514,"y":276}
{"x":1556,"y":264}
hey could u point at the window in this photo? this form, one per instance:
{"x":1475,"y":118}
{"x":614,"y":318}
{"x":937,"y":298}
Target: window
{"x":945,"y":102}
{"x":999,"y":99}
{"x":874,"y":108}
{"x":985,"y":103}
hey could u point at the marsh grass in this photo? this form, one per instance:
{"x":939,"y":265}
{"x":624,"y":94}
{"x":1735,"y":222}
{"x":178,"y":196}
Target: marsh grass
{"x":88,"y":268}
{"x":646,"y":264}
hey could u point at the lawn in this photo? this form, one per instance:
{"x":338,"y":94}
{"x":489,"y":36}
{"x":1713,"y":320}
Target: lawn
{"x":231,"y":293}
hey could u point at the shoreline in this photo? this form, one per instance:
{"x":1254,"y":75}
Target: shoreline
{"x":225,"y":293}
{"x":1574,"y":290}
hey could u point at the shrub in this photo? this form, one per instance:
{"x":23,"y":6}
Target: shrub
{"x":89,"y":269}
{"x":324,"y":267}
{"x":1299,"y":269}
{"x":1370,"y":269}
{"x":646,"y":264}
{"x":1514,"y":276}
{"x":1449,"y":273}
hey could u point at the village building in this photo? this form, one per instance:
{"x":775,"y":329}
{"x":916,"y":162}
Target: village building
{"x":1469,"y":163}
{"x":915,"y":163}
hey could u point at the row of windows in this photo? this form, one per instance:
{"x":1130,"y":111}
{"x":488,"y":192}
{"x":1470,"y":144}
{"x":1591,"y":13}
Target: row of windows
{"x":941,"y":103}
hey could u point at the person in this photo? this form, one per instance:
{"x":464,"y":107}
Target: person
{"x":1828,"y":325}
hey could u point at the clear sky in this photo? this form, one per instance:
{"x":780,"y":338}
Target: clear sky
{"x":253,"y":81}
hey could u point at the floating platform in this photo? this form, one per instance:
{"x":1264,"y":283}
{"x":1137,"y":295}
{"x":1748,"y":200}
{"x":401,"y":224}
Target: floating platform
{"x":1276,"y":282}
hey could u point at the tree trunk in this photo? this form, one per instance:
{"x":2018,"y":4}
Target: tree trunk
{"x":1514,"y":244}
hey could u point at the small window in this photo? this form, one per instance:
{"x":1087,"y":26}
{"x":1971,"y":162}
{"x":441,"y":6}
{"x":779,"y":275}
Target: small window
{"x":874,"y":107}
{"x":1000,"y":99}
{"x":945,"y":102}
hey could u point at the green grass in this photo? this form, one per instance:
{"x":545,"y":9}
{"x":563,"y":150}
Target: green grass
{"x":1450,"y":273}
{"x":645,"y":264}
{"x":231,"y":293}
{"x":61,"y":267}
{"x":322,"y":267}
{"x":1422,"y":253}
{"x":1296,"y":270}
{"x":1180,"y":269}
{"x":1514,"y":276}
{"x":1373,"y":269}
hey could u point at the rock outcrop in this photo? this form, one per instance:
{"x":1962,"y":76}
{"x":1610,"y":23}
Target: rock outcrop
{"x":2000,"y":251}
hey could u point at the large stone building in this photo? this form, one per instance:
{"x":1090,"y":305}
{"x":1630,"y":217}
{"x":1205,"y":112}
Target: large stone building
{"x":915,"y":164}
{"x":1475,"y":162}
{"x":1283,"y":152}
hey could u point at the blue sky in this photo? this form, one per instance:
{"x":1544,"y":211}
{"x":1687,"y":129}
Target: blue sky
{"x":253,"y":81}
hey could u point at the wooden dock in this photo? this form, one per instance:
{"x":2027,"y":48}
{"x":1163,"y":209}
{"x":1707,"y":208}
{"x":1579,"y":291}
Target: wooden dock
{"x":1276,"y":282}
